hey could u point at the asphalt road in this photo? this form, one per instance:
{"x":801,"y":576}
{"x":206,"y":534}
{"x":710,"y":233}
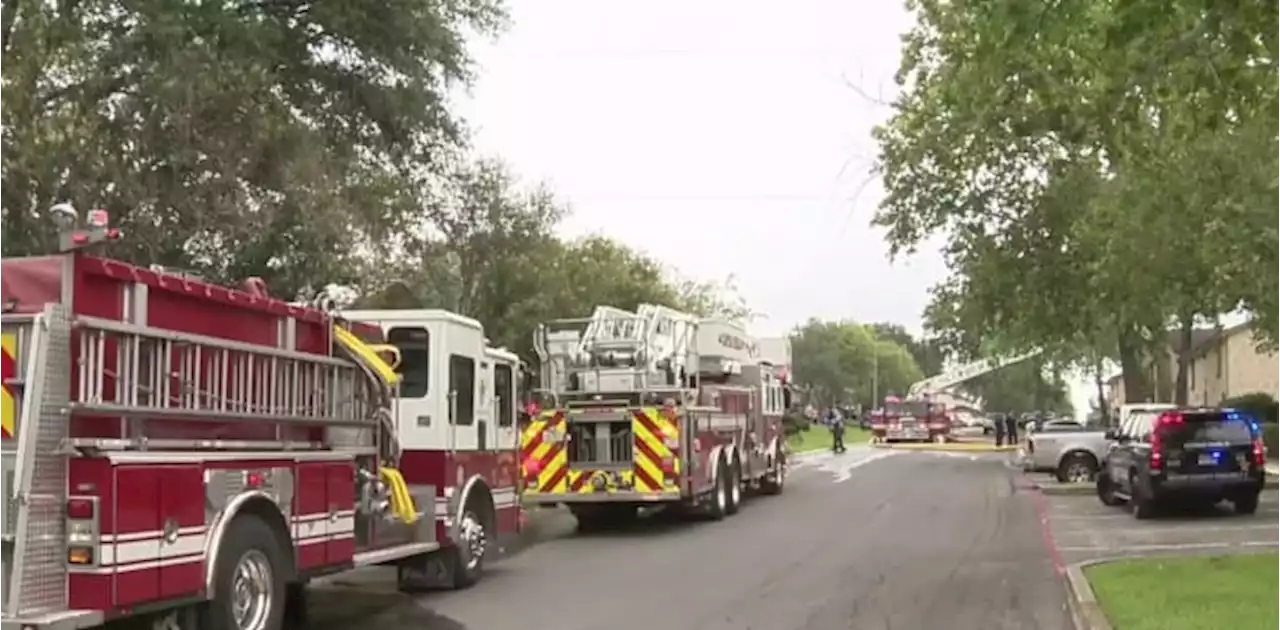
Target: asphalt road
{"x":868,"y":541}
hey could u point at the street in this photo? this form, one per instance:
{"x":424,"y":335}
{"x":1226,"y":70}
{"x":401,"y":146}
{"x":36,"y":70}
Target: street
{"x":868,"y":540}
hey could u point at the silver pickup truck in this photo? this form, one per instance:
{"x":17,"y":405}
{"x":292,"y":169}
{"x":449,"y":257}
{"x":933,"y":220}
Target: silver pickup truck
{"x":1072,"y":454}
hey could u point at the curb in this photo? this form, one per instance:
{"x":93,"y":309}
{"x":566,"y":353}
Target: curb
{"x":1086,"y":613}
{"x":947,"y":447}
{"x":1065,"y":489}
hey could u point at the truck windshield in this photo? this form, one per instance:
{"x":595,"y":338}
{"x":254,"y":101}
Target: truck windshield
{"x":916,"y":409}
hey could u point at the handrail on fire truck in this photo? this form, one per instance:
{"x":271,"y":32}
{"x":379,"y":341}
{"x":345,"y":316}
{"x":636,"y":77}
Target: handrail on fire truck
{"x":654,"y":346}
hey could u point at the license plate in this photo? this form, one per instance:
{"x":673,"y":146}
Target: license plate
{"x":1207,"y":459}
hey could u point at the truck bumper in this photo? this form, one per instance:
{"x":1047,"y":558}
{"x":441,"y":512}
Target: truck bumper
{"x":65,"y":620}
{"x":546,"y":498}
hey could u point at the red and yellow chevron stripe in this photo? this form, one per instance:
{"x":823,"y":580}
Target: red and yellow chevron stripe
{"x":8,"y":370}
{"x":545,"y":462}
{"x":656,"y":440}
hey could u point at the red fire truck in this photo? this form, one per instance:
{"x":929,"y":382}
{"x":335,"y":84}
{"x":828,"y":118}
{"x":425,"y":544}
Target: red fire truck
{"x":655,"y":408}
{"x":195,"y":454}
{"x":910,"y":421}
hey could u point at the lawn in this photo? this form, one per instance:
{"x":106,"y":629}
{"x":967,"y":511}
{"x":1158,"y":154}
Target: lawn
{"x":819,"y":437}
{"x":1198,"y":593}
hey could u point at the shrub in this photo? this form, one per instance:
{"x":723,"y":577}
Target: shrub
{"x":1260,"y":404}
{"x":794,"y":422}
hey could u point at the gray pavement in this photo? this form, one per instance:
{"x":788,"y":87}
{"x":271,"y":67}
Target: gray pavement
{"x":869,"y":540}
{"x":1084,"y":529}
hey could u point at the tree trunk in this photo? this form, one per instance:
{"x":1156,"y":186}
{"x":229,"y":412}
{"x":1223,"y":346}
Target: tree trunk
{"x":1182,"y":380}
{"x":1099,"y":386}
{"x":1137,"y":385}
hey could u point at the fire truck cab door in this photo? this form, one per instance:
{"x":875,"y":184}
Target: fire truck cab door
{"x":466,"y":388}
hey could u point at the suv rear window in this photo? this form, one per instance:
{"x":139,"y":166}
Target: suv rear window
{"x":1209,"y":427}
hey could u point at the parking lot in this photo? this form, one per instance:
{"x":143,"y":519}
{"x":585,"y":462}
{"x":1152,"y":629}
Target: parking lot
{"x":1084,"y":529}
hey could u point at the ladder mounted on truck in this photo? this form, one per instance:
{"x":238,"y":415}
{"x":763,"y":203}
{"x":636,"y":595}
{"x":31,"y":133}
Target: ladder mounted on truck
{"x":964,"y":373}
{"x":59,"y":365}
{"x":617,"y":351}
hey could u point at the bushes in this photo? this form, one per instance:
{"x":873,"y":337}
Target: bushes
{"x":794,"y":421}
{"x":1261,"y":405}
{"x":1271,"y":437}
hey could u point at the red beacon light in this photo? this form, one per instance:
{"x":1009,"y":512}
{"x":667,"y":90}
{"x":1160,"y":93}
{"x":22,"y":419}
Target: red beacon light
{"x":1164,"y":422}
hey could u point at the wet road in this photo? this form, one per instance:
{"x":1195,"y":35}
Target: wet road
{"x":868,"y":541}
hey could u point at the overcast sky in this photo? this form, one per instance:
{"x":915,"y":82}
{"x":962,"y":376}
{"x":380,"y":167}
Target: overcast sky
{"x":720,"y":137}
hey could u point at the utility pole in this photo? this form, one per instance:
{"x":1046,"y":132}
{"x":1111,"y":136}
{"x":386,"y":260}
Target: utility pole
{"x":875,"y":379}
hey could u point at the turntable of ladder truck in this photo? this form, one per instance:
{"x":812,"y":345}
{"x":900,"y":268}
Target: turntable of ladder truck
{"x":920,"y":416}
{"x":191,"y":454}
{"x":656,"y":408}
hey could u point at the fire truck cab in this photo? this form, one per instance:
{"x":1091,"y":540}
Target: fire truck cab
{"x":654,"y":408}
{"x":194,"y":454}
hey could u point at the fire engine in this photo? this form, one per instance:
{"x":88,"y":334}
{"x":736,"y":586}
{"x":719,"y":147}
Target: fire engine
{"x":654,"y":408}
{"x":917,"y":417}
{"x":194,"y":454}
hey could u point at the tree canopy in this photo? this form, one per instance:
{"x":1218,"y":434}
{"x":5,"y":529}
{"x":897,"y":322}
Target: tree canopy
{"x":848,"y":363}
{"x":1101,"y":171}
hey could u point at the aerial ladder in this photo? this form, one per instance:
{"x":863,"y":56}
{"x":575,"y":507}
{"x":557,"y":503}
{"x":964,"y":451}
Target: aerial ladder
{"x":964,"y":373}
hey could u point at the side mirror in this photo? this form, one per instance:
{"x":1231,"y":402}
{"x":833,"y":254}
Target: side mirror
{"x":1111,"y":434}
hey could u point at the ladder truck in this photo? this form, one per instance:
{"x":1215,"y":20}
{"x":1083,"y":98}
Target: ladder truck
{"x":654,"y":408}
{"x":917,"y":416}
{"x":190,"y":455}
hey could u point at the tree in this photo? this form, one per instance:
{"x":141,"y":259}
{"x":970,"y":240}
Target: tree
{"x":277,"y":139}
{"x":845,"y":363}
{"x":486,"y":248}
{"x":927,"y":354}
{"x":1069,"y":176}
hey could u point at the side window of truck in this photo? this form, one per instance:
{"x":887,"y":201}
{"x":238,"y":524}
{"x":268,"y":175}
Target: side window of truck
{"x":462,"y":382}
{"x":415,"y":359}
{"x":503,"y":384}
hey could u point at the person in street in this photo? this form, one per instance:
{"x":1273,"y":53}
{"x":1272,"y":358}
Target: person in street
{"x":998,"y":426}
{"x":836,"y":422}
{"x":1011,"y":429}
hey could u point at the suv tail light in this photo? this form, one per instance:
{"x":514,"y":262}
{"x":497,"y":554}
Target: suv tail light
{"x":1259,"y":452}
{"x":1164,"y":423}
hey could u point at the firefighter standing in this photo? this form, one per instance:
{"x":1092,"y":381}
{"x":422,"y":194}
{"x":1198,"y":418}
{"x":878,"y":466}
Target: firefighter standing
{"x":1011,"y":429}
{"x":998,"y":426}
{"x":836,"y":422}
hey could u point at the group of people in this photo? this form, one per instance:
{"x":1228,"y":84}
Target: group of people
{"x":1005,"y":426}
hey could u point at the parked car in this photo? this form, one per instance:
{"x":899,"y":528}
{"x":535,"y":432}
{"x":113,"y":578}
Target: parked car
{"x":1184,"y":457}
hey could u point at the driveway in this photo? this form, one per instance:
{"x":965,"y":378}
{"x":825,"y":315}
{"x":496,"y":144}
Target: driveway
{"x":873,"y":540}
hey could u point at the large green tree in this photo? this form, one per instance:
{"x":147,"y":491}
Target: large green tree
{"x":278,"y":139}
{"x":486,"y":247}
{"x":847,"y":363}
{"x":1078,"y":158}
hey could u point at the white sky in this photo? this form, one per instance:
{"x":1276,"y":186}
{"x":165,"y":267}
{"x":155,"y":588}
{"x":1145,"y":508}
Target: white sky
{"x":717,"y":136}
{"x":720,"y":137}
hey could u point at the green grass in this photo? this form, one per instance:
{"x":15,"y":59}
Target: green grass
{"x":819,"y":437}
{"x":1198,"y":593}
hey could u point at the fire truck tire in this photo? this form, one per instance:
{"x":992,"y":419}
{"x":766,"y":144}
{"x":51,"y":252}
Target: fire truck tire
{"x":248,"y":575}
{"x":465,"y":560}
{"x":718,"y":503}
{"x":733,"y":486}
{"x":776,"y":478}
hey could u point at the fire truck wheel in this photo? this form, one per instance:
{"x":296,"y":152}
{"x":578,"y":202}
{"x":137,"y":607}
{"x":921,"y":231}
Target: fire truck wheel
{"x":733,"y":485}
{"x":249,"y":580}
{"x":776,"y":478}
{"x":468,"y":555}
{"x":718,"y":502}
